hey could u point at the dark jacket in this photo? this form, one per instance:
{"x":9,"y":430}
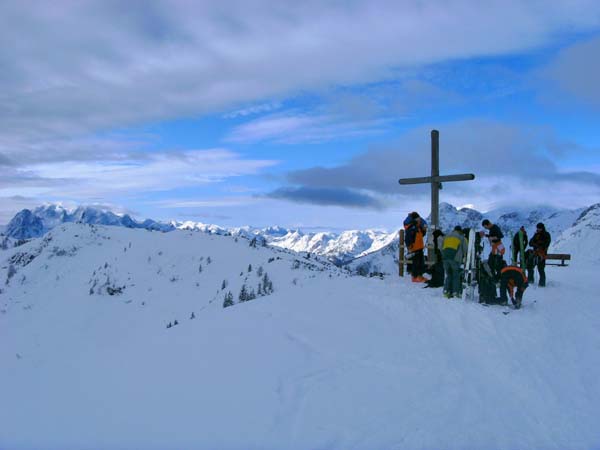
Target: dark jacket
{"x":495,"y":234}
{"x":540,"y":242}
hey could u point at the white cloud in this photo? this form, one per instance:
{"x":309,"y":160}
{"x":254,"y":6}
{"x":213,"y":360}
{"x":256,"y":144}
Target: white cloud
{"x":150,"y":172}
{"x":251,"y":110}
{"x":133,"y":62}
{"x":289,"y":128}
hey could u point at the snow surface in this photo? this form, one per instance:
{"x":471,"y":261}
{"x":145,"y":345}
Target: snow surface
{"x":326,"y":361}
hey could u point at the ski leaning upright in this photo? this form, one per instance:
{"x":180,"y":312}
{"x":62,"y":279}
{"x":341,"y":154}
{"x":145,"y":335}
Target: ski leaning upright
{"x":470,"y":281}
{"x":522,"y":245}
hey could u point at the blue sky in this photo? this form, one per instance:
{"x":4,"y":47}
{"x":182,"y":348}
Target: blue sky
{"x":305,"y":115}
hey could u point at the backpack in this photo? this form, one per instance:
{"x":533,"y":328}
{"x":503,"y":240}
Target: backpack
{"x":410,"y":236}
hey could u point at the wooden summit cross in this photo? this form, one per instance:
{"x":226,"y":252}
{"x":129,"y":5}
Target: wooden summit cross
{"x":436,"y":184}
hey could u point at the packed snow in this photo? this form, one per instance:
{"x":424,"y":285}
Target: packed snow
{"x":325,"y":360}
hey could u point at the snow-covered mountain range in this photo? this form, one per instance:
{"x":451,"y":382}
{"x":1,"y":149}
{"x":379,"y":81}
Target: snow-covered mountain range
{"x":353,"y":246}
{"x":115,"y":337}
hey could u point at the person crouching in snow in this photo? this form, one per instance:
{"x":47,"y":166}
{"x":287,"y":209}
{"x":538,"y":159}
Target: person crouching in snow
{"x":511,"y":278}
{"x":415,"y":230}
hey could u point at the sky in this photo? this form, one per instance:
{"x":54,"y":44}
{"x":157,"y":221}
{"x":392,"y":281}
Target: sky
{"x":298,"y":114}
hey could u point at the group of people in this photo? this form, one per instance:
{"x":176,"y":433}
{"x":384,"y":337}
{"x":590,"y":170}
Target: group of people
{"x":451,"y":251}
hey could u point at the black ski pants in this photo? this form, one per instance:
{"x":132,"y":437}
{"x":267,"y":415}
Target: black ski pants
{"x":417,"y":268}
{"x":541,"y":265}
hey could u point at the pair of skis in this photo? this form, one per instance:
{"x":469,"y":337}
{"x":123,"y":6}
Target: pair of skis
{"x":470,"y":266}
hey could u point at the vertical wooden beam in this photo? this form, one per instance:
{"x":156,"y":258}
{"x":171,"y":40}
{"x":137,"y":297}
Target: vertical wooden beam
{"x":435,"y":186}
{"x":401,"y":254}
{"x":435,"y":195}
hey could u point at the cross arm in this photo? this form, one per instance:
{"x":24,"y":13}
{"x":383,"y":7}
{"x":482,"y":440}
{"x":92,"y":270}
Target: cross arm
{"x":437,"y":179}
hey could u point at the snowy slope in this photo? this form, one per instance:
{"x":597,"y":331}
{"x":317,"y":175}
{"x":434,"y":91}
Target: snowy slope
{"x":325,"y":361}
{"x":373,"y":248}
{"x":582,"y":240}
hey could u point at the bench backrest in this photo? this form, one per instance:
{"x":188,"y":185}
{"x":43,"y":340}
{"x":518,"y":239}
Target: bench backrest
{"x":561,"y":256}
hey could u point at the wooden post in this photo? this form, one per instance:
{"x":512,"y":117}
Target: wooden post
{"x":435,"y":185}
{"x":401,"y":254}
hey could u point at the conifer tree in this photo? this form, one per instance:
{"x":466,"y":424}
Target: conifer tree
{"x":243,"y":297}
{"x":228,"y":301}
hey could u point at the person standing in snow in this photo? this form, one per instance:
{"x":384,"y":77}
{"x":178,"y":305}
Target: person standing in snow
{"x":496,"y":256}
{"x":540,"y":243}
{"x":454,"y":249}
{"x":415,"y":230}
{"x":512,"y":277}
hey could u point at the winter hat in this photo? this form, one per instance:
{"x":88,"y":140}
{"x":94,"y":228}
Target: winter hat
{"x":457,"y":228}
{"x":541,"y":226}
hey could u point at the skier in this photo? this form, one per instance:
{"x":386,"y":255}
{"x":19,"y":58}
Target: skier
{"x":496,"y":257}
{"x":519,"y":243}
{"x":454,"y":250}
{"x":512,"y":277}
{"x":540,"y":243}
{"x":416,"y":228}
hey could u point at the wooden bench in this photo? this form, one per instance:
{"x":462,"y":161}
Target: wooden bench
{"x":562,"y":257}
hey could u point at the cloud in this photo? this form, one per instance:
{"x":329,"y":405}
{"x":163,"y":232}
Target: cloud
{"x":103,"y":64}
{"x":327,"y":197}
{"x":255,"y":109}
{"x":289,"y":128}
{"x":149,"y":172}
{"x":498,"y":154}
{"x":575,"y":72}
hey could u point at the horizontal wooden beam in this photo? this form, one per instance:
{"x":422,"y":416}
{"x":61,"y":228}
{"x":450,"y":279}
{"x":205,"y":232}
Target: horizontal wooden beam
{"x":565,"y":256}
{"x":438,"y":179}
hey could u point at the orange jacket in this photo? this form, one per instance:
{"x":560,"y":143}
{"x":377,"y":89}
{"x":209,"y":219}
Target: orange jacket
{"x":419,"y":243}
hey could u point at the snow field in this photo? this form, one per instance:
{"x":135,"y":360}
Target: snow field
{"x":326,"y":361}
